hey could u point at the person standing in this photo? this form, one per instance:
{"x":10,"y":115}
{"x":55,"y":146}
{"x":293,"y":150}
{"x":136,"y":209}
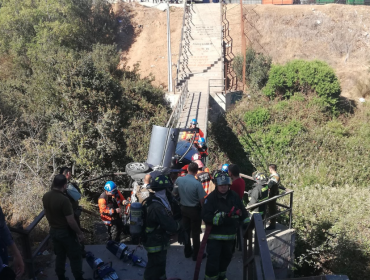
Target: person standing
{"x":159,"y":224}
{"x":111,"y":203}
{"x":238,"y":184}
{"x":65,"y":233}
{"x":7,"y":242}
{"x":273,"y":184}
{"x":258,"y":194}
{"x":192,"y":195}
{"x":223,"y":210}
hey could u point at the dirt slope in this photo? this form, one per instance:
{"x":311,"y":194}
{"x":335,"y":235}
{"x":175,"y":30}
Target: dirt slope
{"x":337,"y":34}
{"x":146,"y":40}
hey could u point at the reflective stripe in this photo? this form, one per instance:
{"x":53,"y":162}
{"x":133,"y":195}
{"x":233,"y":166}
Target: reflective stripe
{"x":265,"y":189}
{"x":222,"y":236}
{"x":107,"y":222}
{"x":246,"y":220}
{"x":156,"y":249}
{"x":263,"y":199}
{"x":149,"y":229}
{"x":210,"y":277}
{"x":216,"y":219}
{"x":255,"y":212}
{"x":235,"y":217}
{"x":222,"y":274}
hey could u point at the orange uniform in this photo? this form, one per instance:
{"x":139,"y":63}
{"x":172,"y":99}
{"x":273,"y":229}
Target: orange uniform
{"x":108,"y":205}
{"x":189,"y":135}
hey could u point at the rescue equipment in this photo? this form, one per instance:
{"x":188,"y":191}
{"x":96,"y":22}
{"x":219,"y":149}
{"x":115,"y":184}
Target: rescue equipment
{"x":122,"y":252}
{"x":103,"y":271}
{"x":136,"y":219}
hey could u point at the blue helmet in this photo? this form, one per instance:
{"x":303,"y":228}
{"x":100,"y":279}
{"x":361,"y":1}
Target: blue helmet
{"x":201,"y":141}
{"x":225,"y":168}
{"x":110,"y":186}
{"x":194,"y":121}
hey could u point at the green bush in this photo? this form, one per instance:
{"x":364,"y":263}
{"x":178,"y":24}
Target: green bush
{"x":324,"y":160}
{"x":257,"y":117}
{"x":257,"y":67}
{"x":304,"y":76}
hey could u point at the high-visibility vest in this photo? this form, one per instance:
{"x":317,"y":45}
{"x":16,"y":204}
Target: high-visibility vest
{"x":205,"y":179}
{"x":108,"y":208}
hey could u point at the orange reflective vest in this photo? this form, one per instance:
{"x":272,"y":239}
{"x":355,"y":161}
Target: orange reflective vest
{"x":205,"y":179}
{"x":108,"y":205}
{"x":189,"y":135}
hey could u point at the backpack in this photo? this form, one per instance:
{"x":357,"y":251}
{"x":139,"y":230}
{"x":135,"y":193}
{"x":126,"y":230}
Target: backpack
{"x":73,"y":192}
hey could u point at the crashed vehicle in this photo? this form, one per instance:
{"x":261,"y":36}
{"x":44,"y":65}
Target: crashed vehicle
{"x":166,"y":152}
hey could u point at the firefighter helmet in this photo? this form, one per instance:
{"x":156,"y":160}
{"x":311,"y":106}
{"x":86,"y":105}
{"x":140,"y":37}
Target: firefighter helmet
{"x":160,"y":182}
{"x":110,"y":186}
{"x":222,"y":178}
{"x":260,"y":176}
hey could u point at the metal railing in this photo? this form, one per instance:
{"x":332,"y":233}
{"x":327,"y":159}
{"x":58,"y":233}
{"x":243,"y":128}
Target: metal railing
{"x":26,"y":245}
{"x":257,"y":264}
{"x":176,"y":112}
{"x":182,"y":37}
{"x":288,"y":209}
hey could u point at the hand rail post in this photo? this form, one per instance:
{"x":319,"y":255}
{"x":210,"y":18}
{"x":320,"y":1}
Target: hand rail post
{"x":27,"y":254}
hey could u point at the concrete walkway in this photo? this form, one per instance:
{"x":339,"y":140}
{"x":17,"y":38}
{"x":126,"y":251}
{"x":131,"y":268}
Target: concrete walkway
{"x":177,"y":265}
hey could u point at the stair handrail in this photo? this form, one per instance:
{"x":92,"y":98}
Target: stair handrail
{"x":180,"y":45}
{"x":176,"y":112}
{"x":257,"y":264}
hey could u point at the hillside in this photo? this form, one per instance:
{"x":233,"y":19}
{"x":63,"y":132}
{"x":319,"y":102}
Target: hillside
{"x":337,"y":34}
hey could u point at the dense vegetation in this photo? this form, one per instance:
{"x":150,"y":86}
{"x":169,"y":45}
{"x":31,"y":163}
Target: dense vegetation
{"x":320,"y":144}
{"x":63,"y":101}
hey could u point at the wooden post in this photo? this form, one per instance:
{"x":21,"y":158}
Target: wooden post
{"x":243,"y":48}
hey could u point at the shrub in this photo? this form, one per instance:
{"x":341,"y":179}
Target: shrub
{"x":304,"y":76}
{"x":257,"y":117}
{"x":257,"y":67}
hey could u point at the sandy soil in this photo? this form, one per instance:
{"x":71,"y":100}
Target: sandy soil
{"x":337,"y":34}
{"x":145,"y":41}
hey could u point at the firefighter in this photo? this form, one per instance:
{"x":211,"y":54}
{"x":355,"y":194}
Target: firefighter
{"x":203,"y":176}
{"x":189,"y":135}
{"x":273,"y":185}
{"x":159,"y":225}
{"x":223,"y":210}
{"x":259,"y":193}
{"x":111,"y":203}
{"x":202,"y":148}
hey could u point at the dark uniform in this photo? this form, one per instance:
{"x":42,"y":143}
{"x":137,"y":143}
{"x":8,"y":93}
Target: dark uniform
{"x":160,"y":224}
{"x":258,"y":194}
{"x":220,"y":242}
{"x":57,"y":206}
{"x":273,"y":185}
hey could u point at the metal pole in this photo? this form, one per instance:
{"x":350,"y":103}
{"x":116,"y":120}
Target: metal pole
{"x":291,"y":210}
{"x":243,"y":48}
{"x":169,"y":48}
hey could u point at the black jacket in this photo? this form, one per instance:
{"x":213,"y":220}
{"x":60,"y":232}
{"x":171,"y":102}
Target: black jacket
{"x":258,"y":194}
{"x":215,"y":212}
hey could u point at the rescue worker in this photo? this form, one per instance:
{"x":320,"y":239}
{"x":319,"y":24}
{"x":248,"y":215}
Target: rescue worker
{"x":259,"y":193}
{"x":203,"y":176}
{"x":223,"y":211}
{"x":160,"y":224}
{"x":202,"y":148}
{"x":189,"y":135}
{"x":64,"y":230}
{"x":111,"y":203}
{"x":273,"y":185}
{"x":73,"y":192}
{"x":192,"y":195}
